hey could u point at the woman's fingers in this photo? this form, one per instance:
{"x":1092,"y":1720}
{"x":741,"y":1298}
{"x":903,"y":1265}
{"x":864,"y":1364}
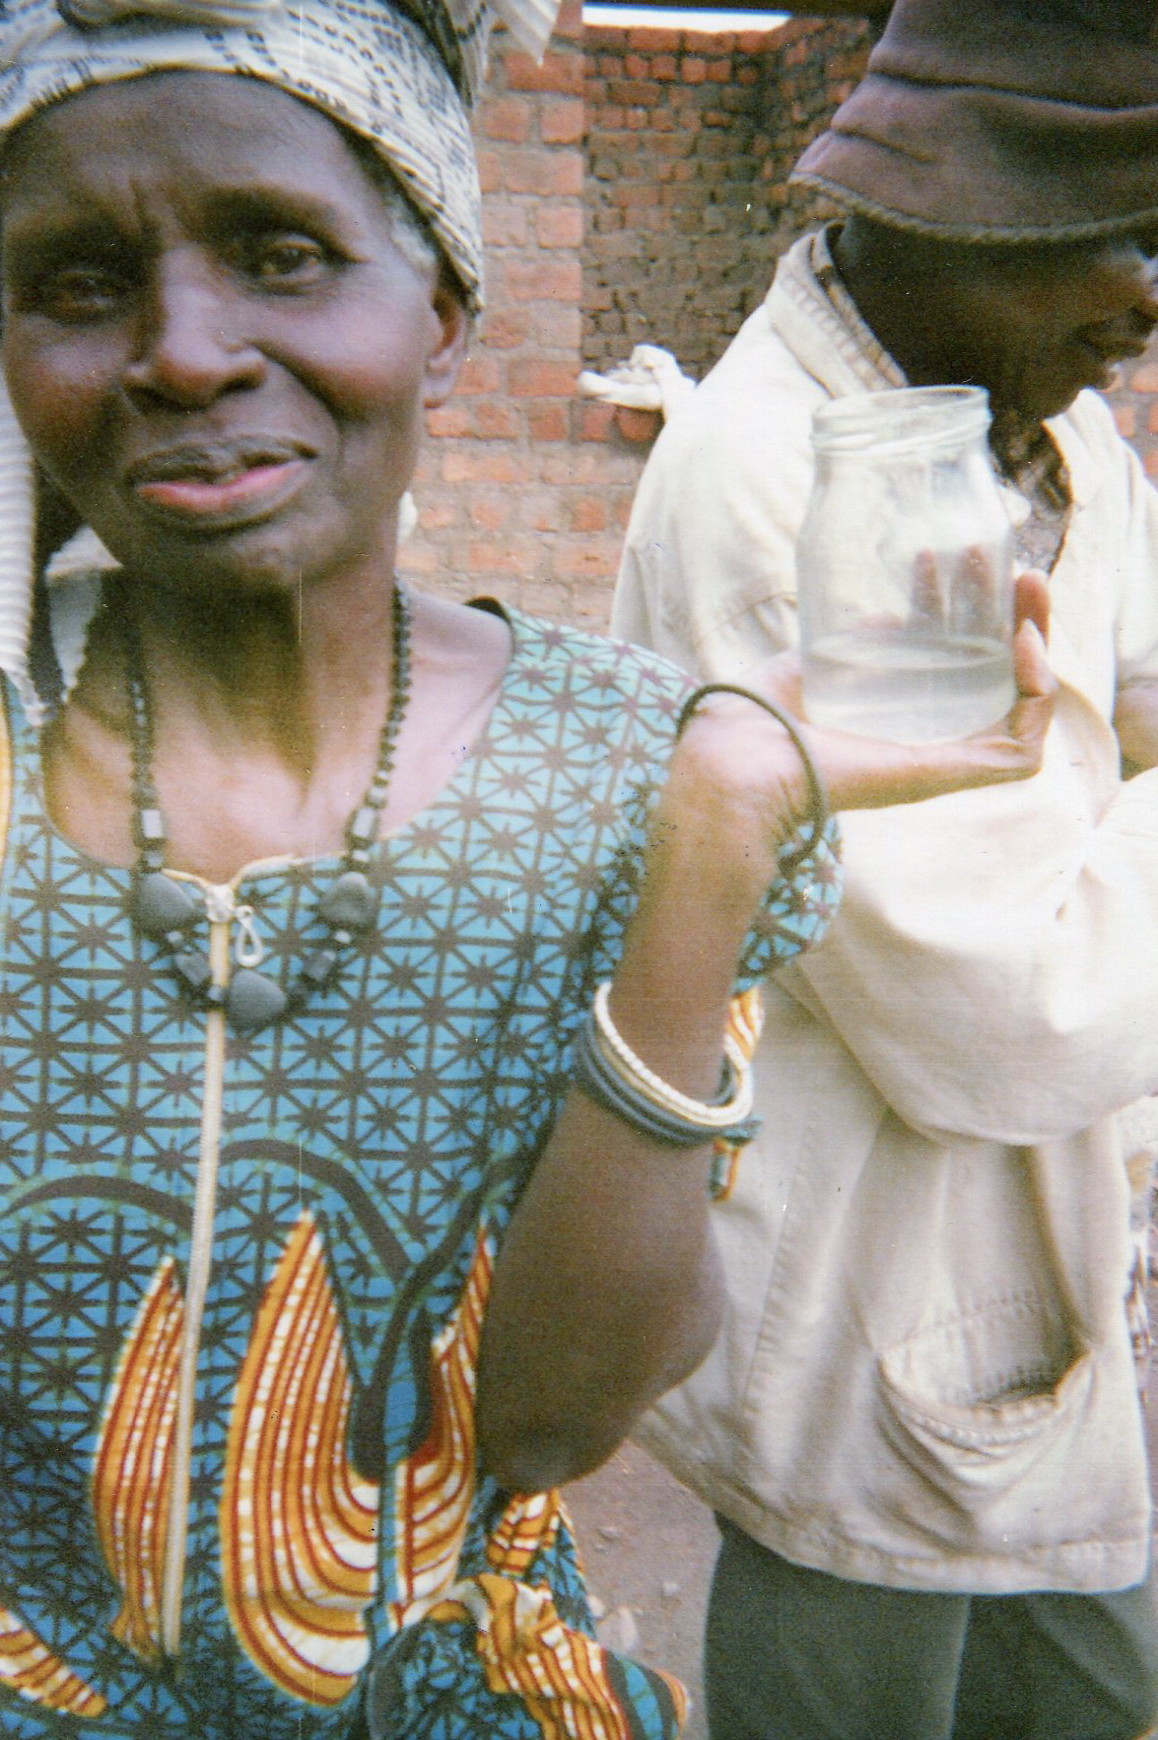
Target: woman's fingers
{"x":866,"y":773}
{"x":870,"y":773}
{"x":1031,"y":601}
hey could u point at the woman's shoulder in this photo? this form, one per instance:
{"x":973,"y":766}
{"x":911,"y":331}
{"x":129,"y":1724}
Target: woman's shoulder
{"x":580,"y":660}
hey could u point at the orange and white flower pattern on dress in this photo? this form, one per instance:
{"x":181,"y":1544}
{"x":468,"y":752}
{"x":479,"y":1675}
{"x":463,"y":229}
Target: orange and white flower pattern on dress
{"x":434,"y":1487}
{"x":299,"y":1525}
{"x":28,"y":1666}
{"x":133,"y":1466}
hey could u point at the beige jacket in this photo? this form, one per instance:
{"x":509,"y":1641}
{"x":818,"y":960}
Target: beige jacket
{"x":925,"y":1375}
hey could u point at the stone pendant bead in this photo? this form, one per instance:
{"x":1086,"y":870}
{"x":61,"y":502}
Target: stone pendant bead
{"x":319,"y":967}
{"x":253,"y":1001}
{"x":350,"y":902}
{"x":194,"y":969}
{"x":161,"y":905}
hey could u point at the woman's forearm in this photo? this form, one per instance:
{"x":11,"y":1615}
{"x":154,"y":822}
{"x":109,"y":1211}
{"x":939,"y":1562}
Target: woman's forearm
{"x":607,"y":1289}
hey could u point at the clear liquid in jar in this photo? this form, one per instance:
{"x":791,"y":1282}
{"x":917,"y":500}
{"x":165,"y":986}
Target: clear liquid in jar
{"x":907,"y":688}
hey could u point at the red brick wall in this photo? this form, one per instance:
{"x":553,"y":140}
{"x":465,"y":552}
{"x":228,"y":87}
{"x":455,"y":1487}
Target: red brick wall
{"x":515,"y":497}
{"x":690,"y":139}
{"x":635,"y":187}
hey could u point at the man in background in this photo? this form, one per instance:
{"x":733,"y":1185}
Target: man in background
{"x":920,"y":1427}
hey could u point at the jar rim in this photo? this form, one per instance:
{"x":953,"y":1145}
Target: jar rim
{"x":900,"y":419}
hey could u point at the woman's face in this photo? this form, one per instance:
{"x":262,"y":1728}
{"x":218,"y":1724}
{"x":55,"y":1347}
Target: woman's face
{"x":212,"y":342}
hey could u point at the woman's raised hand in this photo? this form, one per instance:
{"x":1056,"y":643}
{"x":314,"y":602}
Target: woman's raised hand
{"x":867,"y":772}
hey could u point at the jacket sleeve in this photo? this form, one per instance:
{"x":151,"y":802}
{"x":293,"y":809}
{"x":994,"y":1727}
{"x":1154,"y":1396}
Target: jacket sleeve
{"x":994,"y":965}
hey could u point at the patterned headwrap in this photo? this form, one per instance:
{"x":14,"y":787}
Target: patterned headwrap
{"x":401,"y":76}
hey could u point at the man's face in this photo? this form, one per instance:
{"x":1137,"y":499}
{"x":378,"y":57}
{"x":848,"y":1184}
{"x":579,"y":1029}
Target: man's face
{"x":1035,"y":324}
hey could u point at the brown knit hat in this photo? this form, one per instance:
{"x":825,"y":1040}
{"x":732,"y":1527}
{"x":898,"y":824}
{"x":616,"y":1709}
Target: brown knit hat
{"x":1001,"y":120}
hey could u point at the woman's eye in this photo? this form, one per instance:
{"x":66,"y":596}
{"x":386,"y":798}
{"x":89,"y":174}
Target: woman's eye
{"x":76,"y":293}
{"x":286,"y":261}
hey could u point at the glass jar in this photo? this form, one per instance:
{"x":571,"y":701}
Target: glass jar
{"x":905,"y":568}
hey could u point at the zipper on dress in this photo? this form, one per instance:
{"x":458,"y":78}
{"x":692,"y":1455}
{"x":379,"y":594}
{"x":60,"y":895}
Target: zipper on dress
{"x":223,"y":911}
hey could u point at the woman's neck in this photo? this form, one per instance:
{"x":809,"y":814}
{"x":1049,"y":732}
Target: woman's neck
{"x":281,"y":673}
{"x":266,"y":728}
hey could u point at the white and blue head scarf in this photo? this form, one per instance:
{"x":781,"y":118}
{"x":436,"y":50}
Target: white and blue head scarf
{"x":402,"y":76}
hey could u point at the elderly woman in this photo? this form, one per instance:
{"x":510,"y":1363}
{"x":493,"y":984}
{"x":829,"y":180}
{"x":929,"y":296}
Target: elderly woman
{"x":311,"y":887}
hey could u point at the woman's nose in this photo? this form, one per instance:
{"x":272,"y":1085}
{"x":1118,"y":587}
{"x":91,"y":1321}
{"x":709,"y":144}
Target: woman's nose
{"x":191,"y":348}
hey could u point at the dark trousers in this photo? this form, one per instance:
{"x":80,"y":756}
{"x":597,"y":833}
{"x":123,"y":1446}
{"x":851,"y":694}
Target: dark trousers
{"x":793,"y":1654}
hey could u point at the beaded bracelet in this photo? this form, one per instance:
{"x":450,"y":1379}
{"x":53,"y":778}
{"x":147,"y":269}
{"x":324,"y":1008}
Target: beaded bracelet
{"x":733,"y":1103}
{"x":616,"y":1079}
{"x":818,"y":796}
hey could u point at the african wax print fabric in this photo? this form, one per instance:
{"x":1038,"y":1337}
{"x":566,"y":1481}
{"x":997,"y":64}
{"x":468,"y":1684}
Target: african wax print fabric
{"x":366,"y":1156}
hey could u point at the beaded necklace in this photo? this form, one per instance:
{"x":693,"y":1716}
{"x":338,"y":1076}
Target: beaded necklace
{"x":166,"y":909}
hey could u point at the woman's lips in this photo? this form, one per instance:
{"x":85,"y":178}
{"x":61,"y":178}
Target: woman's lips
{"x":202,"y":498}
{"x":218,"y":485}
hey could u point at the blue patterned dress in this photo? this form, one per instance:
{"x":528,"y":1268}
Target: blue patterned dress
{"x":242,"y":1278}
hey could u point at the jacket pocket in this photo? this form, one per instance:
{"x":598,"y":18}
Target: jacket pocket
{"x":974,"y":1404}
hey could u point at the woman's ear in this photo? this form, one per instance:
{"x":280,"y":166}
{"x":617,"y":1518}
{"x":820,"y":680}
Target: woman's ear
{"x":446,"y":357}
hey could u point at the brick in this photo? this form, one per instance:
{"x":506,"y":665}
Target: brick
{"x":488,"y":513}
{"x":589,"y":559}
{"x":535,"y":280}
{"x":532,"y":378}
{"x":587,"y":513}
{"x":693,"y":70}
{"x":596,"y":421}
{"x":547,"y":597}
{"x":505,"y":118}
{"x":505,"y":328}
{"x":437,"y":513}
{"x":504,"y":224}
{"x":548,"y":421}
{"x":513,"y":555}
{"x":655,"y":41}
{"x":455,"y":419}
{"x":635,"y":93}
{"x":562,"y":74}
{"x":539,"y":510}
{"x":490,"y":171}
{"x":569,"y":23}
{"x":495,"y":420}
{"x":1126,"y":418}
{"x":479,"y":374}
{"x":556,"y":327}
{"x":479,"y":463}
{"x":562,"y":122}
{"x":591,"y":464}
{"x":559,"y":226}
{"x":544,"y":172}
